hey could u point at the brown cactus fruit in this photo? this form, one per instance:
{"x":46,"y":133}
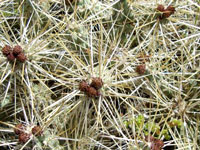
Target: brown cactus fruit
{"x":17,"y":50}
{"x":10,"y":57}
{"x":83,"y":86}
{"x":19,"y":128}
{"x":21,"y":57}
{"x":6,"y":50}
{"x":140,"y":69}
{"x":24,"y":137}
{"x":92,"y":92}
{"x":97,"y":83}
{"x":37,"y":131}
{"x":160,"y":8}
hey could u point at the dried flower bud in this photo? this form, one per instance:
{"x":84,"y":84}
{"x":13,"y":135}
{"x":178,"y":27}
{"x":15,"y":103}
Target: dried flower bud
{"x":10,"y":57}
{"x":19,"y":129}
{"x":168,"y":12}
{"x":6,"y":50}
{"x":24,"y":137}
{"x":171,"y":9}
{"x":37,"y":130}
{"x":83,"y":86}
{"x":140,"y":69}
{"x":97,"y":83}
{"x":17,"y":50}
{"x":21,"y":57}
{"x":92,"y":92}
{"x":156,"y":144}
{"x":160,"y":8}
{"x":149,"y":138}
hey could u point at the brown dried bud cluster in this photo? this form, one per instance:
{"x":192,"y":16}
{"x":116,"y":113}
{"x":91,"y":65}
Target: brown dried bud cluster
{"x":141,"y":69}
{"x":37,"y":131}
{"x":16,"y":52}
{"x":92,"y":89}
{"x":97,"y":83}
{"x":166,"y":12}
{"x":21,"y":57}
{"x":6,"y":50}
{"x":23,"y":136}
{"x":92,"y":92}
{"x":19,"y":128}
{"x":156,"y":144}
{"x":11,"y":57}
{"x":161,"y":8}
{"x":83,"y":86}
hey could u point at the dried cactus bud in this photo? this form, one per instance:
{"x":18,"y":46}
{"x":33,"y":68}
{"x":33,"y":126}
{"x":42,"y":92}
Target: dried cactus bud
{"x":92,"y":92}
{"x":171,"y":9}
{"x":6,"y":50}
{"x":37,"y":131}
{"x":21,"y":57}
{"x":140,"y":69}
{"x":24,"y":137}
{"x":166,"y":14}
{"x":17,"y":50}
{"x":157,"y":144}
{"x":83,"y":86}
{"x":19,"y":129}
{"x":97,"y":83}
{"x":149,"y":138}
{"x":160,"y":8}
{"x":11,"y":57}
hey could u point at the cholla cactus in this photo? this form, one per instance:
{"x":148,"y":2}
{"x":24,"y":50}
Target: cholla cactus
{"x":91,"y":74}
